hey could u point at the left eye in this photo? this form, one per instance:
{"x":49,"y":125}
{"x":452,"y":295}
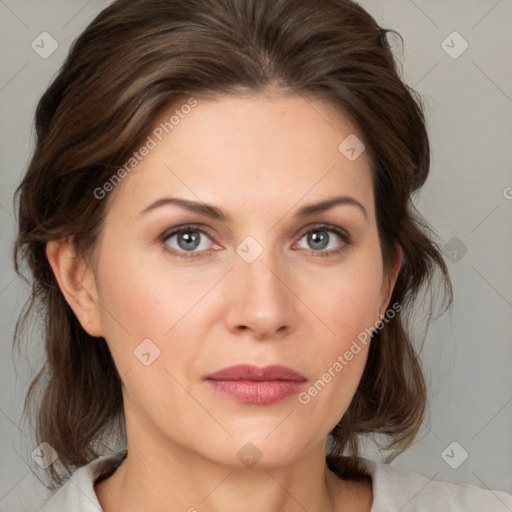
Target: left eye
{"x":320,"y":239}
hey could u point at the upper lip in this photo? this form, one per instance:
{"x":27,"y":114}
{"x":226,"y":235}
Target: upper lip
{"x":256,"y":373}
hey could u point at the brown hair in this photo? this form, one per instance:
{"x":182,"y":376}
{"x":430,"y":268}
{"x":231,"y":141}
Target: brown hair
{"x":133,"y":61}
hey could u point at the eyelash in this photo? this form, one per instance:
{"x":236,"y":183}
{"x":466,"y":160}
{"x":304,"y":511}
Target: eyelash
{"x":347,"y":239}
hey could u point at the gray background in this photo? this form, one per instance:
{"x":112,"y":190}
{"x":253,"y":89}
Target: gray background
{"x":467,"y":199}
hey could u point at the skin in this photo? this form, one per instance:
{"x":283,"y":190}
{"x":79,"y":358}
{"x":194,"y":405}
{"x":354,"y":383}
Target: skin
{"x":259,"y":159}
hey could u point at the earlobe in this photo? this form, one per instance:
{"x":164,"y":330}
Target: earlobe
{"x":77,"y":284}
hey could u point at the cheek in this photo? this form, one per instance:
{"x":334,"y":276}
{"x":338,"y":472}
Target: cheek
{"x":129,"y":298}
{"x":345,"y":305}
{"x":142,"y":301}
{"x":145,"y":321}
{"x":135,"y":295}
{"x":341,"y":347}
{"x":347,"y":299}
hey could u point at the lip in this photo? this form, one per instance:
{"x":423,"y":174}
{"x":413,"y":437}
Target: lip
{"x":257,"y":385}
{"x":256,"y":373}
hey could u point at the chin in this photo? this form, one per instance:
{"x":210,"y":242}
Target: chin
{"x":259,"y":450}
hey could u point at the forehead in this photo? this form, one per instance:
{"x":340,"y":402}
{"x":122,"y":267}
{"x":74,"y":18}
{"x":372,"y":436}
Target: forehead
{"x":249,"y":151}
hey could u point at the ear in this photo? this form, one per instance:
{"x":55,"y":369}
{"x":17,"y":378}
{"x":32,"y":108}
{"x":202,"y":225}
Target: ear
{"x":77,"y":284}
{"x":390,"y":280}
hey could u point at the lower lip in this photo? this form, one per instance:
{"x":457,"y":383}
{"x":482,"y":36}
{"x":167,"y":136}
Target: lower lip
{"x":256,"y":392}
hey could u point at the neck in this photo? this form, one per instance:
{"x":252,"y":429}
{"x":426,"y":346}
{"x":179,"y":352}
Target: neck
{"x":156,"y":481}
{"x":159,"y":474}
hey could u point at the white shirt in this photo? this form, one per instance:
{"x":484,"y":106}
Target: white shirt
{"x":394,"y":490}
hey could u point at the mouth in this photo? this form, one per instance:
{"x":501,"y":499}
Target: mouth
{"x":252,"y":384}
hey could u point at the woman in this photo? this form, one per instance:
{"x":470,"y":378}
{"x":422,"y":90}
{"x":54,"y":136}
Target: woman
{"x":217,"y":217}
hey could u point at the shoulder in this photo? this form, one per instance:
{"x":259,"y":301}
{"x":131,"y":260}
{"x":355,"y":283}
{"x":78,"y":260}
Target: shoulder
{"x":396,"y":488}
{"x":78,"y":493}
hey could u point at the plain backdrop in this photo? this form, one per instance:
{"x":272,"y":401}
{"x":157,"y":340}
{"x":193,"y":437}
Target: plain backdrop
{"x":457,"y":55}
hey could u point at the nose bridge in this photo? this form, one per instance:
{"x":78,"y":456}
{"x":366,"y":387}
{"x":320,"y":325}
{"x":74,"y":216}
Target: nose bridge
{"x":260,"y":299}
{"x":258,"y":267}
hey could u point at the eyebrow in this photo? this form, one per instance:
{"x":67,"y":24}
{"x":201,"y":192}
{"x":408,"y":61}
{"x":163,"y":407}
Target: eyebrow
{"x":214,"y":212}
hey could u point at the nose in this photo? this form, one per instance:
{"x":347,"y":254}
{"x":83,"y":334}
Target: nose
{"x":260,"y":298}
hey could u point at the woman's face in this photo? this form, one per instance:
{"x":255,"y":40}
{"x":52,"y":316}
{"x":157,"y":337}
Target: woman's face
{"x":259,"y":280}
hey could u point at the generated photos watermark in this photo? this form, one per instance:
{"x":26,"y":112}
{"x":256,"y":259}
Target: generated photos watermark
{"x":343,"y":360}
{"x":152,"y":141}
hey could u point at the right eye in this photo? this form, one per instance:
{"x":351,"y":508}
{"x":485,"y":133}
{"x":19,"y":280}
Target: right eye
{"x":186,"y":241}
